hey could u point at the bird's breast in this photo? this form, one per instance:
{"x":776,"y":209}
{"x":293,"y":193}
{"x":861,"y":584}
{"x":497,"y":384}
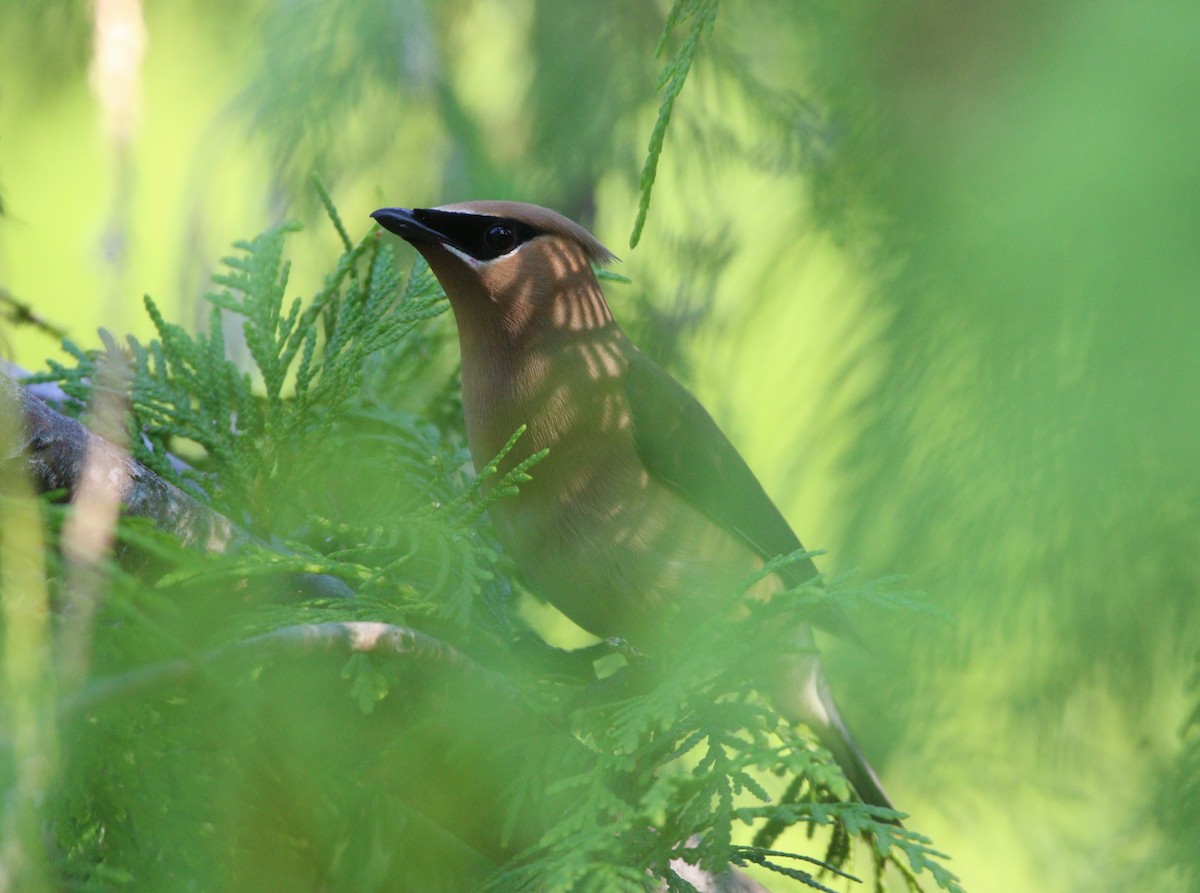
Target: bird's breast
{"x":593,"y":532}
{"x":619,"y":553}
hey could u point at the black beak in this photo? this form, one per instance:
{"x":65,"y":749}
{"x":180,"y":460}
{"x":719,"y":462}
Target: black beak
{"x":403,"y":223}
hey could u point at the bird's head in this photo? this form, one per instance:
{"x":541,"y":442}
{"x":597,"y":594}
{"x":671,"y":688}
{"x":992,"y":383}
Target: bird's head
{"x":508,"y":264}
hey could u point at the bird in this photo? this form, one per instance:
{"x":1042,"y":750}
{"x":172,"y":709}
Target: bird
{"x":642,"y":513}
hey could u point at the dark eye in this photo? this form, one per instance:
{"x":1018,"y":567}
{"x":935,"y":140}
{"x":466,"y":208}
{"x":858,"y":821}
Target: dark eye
{"x":500,"y":238}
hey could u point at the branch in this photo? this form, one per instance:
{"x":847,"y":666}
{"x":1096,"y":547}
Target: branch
{"x":352,"y":637}
{"x":56,"y":448}
{"x":22,"y":313}
{"x":424,"y":653}
{"x":731,"y":881}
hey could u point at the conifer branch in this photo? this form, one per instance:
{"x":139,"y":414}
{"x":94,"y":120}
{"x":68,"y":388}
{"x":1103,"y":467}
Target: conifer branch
{"x":352,"y":637}
{"x":54,"y":448}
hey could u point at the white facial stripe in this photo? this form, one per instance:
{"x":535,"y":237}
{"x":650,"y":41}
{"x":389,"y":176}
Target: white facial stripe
{"x":474,"y":261}
{"x":464,"y":257}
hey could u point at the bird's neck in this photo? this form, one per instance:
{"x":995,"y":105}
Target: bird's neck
{"x":549,"y":368}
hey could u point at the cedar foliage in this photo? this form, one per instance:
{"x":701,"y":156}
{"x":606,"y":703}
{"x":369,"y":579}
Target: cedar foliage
{"x":198,"y":755}
{"x":655,"y":762}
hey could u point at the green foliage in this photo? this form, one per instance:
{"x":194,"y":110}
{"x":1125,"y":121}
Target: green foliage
{"x":703,"y":15}
{"x":998,"y":340}
{"x":1180,"y":793}
{"x":657,"y":762}
{"x":681,"y":762}
{"x":293,"y":763}
{"x":261,"y":440}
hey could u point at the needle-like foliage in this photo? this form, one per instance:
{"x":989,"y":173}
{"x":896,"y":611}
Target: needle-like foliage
{"x":637,"y":771}
{"x":702,"y":14}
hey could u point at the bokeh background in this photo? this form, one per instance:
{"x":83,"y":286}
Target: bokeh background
{"x":935,"y":268}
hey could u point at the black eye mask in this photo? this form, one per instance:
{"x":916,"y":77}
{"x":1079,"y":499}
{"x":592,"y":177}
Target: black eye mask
{"x":482,"y":237}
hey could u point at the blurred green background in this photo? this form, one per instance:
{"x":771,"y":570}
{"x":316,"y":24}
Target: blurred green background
{"x":935,"y":268}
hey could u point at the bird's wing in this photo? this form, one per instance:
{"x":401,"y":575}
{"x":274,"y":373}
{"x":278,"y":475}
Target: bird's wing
{"x":682,"y":447}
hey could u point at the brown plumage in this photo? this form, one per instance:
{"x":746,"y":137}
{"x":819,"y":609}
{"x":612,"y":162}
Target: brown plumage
{"x":642,"y":515}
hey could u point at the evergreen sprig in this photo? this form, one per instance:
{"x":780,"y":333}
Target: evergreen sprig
{"x":680,"y":770}
{"x":703,"y":15}
{"x":309,"y":360}
{"x":680,"y":758}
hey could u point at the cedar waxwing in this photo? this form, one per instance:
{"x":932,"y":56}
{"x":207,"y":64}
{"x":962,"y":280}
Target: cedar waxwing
{"x":642,"y":512}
